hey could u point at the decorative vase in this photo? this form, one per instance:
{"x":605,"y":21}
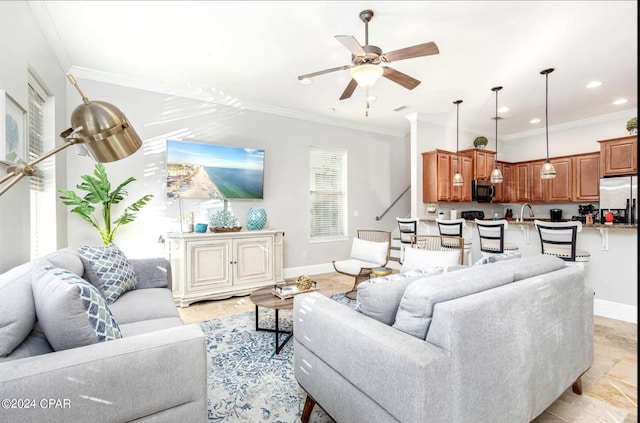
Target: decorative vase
{"x":256,"y":218}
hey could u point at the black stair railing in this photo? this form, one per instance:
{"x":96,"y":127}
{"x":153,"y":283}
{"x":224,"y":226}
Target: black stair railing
{"x":393,"y":204}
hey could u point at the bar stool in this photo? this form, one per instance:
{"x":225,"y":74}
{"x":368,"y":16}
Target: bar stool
{"x":407,"y":228}
{"x":492,"y":237}
{"x":455,"y":227}
{"x":560,"y":239}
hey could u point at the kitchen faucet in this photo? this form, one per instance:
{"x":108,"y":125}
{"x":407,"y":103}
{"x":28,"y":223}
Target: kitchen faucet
{"x":522,"y":211}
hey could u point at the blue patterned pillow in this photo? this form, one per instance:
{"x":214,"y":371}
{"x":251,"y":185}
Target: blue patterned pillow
{"x":108,"y":269}
{"x":71,"y":311}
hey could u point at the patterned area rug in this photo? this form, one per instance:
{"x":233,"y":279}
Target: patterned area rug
{"x":247,"y":381}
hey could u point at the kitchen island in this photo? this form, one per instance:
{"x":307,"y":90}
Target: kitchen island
{"x":611,"y":271}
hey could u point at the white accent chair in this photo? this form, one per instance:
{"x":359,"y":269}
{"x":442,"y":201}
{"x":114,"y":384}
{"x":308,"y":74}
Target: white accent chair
{"x":369,"y":250}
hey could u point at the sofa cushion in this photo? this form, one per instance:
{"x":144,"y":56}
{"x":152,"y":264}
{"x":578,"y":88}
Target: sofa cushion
{"x":416,"y":258}
{"x":492,"y":258}
{"x":379,"y":298}
{"x":416,"y":307}
{"x":66,"y":258}
{"x":369,"y":251}
{"x":71,"y":311}
{"x":146,"y":326}
{"x":34,"y":344}
{"x":144,"y":304}
{"x":108,"y":268}
{"x":17,"y":310}
{"x":531,"y":266}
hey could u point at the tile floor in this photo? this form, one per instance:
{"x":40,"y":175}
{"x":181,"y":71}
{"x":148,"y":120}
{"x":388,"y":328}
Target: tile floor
{"x":610,"y":387}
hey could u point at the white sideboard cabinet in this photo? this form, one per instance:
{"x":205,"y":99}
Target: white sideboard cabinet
{"x":212,"y":266}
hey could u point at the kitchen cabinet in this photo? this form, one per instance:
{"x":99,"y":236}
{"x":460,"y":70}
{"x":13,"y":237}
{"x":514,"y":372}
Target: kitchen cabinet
{"x":586,"y":177}
{"x":484,"y":162}
{"x":536,"y":190}
{"x":560,"y":188}
{"x":618,"y":156}
{"x":505,"y":192}
{"x":522,"y":182}
{"x":221,"y":265}
{"x":438,"y":168}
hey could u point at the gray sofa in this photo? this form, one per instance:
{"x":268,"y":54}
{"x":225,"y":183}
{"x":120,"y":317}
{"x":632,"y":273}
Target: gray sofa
{"x":155,"y":372}
{"x":494,"y":343}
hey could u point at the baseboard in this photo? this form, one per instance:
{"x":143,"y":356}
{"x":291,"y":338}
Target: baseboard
{"x":618,"y":311}
{"x":611,"y":310}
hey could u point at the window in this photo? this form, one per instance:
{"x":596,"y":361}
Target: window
{"x":42,"y":193}
{"x":328,"y":192}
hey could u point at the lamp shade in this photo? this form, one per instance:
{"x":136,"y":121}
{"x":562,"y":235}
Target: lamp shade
{"x":496,"y":176}
{"x":105,"y":131}
{"x":458,"y":181}
{"x":547,"y":171}
{"x":366,"y":75}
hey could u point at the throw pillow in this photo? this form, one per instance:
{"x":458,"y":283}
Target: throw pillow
{"x":416,"y":258}
{"x":379,"y":298}
{"x":109,"y":269}
{"x":419,"y":299}
{"x":492,"y":258}
{"x":17,"y":311}
{"x":70,"y":310}
{"x":369,"y":251}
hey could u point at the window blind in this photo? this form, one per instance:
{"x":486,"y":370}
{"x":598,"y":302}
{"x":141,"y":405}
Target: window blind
{"x":328,"y":192}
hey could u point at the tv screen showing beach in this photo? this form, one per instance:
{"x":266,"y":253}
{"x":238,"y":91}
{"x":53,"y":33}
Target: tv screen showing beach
{"x":200,"y":170}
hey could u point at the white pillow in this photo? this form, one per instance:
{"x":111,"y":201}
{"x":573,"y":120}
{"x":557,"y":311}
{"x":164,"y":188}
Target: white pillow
{"x":419,"y":259}
{"x":370,"y":251}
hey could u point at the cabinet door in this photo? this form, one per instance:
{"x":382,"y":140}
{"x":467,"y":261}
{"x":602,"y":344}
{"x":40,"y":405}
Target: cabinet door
{"x":522,"y":182}
{"x":253,"y":260}
{"x":586,"y":180}
{"x":619,"y":156}
{"x":444,"y":178}
{"x":480,"y":165}
{"x":559,"y":189}
{"x":536,"y":190}
{"x":504,"y":190}
{"x":461,"y":193}
{"x":208,"y":265}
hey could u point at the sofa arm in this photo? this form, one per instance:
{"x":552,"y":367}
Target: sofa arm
{"x":405,"y":375}
{"x":152,"y":272}
{"x":160,"y":374}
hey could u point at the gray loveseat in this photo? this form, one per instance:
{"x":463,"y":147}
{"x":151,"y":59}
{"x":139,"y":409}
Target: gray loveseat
{"x":154,"y":372}
{"x":494,"y":343}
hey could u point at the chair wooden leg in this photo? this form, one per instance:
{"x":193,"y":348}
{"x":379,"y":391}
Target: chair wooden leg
{"x":577,"y":386}
{"x":309,"y":403}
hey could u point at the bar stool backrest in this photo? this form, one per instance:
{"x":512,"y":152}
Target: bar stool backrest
{"x":559,"y":238}
{"x":491,"y":234}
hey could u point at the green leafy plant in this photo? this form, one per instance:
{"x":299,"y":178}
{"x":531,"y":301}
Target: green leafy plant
{"x":480,"y":141}
{"x":99,"y":192}
{"x":632,"y":124}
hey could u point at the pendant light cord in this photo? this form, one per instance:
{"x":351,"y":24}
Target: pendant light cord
{"x":457,"y":103}
{"x":496,"y":89}
{"x":546,"y":73}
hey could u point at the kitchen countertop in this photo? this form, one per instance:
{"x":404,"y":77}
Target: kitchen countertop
{"x":530,"y":222}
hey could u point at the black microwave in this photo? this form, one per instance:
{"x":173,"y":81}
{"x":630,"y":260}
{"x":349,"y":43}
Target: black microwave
{"x":482,"y":191}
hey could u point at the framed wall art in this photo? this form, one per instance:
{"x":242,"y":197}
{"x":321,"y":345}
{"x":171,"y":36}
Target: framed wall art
{"x":13,"y":129}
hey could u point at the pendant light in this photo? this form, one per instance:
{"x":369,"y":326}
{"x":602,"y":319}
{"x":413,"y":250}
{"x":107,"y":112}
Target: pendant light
{"x":496,"y":175}
{"x":547,"y":171}
{"x":457,"y":178}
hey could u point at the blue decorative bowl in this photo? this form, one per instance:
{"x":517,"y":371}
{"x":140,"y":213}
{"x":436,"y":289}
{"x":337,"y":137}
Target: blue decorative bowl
{"x":201,"y":228}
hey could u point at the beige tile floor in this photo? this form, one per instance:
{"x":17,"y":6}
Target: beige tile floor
{"x":610,"y":387}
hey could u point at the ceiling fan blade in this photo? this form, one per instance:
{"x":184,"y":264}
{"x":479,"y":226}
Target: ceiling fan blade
{"x":400,"y":78}
{"x":311,"y":75}
{"x":349,"y":90}
{"x":352,"y":44}
{"x":419,"y":50}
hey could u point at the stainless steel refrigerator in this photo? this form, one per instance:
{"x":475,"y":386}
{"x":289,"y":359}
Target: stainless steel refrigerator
{"x":620,"y":195}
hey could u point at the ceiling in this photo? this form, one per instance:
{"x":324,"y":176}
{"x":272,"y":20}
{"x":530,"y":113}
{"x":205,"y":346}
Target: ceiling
{"x":250,"y":54}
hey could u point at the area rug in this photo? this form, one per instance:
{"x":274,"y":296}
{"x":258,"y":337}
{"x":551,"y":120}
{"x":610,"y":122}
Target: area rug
{"x":247,"y":381}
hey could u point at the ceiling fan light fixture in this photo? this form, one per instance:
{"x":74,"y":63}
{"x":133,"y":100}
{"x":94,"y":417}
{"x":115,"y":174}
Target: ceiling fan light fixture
{"x":366,"y":75}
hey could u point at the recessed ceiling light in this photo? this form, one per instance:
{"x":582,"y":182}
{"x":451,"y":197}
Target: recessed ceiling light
{"x":305,"y":81}
{"x":620,"y":101}
{"x":535,"y":120}
{"x":594,"y":84}
{"x":503,"y":109}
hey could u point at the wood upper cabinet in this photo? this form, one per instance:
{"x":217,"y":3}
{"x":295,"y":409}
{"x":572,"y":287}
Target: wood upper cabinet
{"x":618,"y":156}
{"x":536,"y":189}
{"x":560,"y":188}
{"x":438,"y":168}
{"x":586,"y":177}
{"x":505,"y":192}
{"x":522,"y":182}
{"x":483,"y":162}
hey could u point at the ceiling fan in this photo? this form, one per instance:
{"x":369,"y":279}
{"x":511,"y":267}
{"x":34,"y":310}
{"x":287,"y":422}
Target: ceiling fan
{"x":367,"y":61}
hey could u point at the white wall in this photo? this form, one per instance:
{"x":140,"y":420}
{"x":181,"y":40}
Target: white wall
{"x":23,"y":48}
{"x":376,"y":171}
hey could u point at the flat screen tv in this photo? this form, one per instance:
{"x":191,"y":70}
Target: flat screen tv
{"x":201,"y":170}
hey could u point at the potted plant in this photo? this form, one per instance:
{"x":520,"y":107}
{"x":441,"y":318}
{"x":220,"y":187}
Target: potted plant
{"x":99,"y":192}
{"x":632,"y":125}
{"x":480,"y":142}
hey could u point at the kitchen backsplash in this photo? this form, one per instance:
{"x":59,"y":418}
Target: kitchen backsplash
{"x":540,"y":210}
